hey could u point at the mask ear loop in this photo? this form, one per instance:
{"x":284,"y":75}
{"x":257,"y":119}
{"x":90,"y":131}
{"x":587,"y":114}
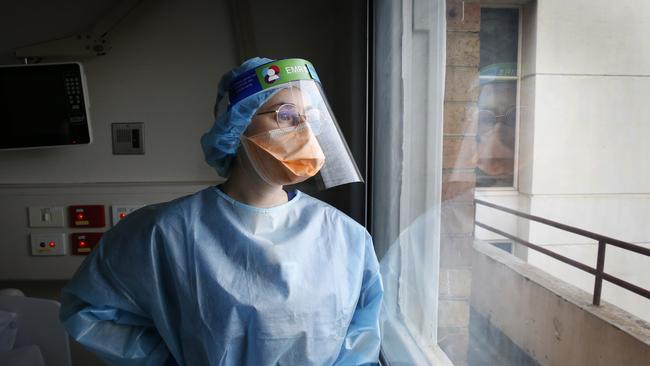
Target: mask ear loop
{"x":249,"y":169}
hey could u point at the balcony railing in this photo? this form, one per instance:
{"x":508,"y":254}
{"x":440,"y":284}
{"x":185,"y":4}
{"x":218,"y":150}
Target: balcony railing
{"x":603,"y":241}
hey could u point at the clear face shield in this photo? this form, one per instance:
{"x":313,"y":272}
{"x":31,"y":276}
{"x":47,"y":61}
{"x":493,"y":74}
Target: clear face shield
{"x":293,"y":138}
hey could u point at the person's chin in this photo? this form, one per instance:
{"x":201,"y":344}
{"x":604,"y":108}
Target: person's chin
{"x":495,"y":166}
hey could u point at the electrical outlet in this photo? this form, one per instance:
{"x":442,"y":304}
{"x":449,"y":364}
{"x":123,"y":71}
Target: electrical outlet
{"x":48,"y":244}
{"x":118,"y":212}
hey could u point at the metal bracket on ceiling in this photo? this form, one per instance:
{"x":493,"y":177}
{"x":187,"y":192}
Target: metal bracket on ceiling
{"x":94,"y":42}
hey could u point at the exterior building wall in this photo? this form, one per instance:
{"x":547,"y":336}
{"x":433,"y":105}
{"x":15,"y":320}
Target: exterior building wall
{"x":592,"y":80}
{"x":528,"y":317}
{"x":582,"y":136}
{"x":459,"y":161}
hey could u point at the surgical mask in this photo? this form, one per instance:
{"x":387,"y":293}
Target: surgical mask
{"x":285,"y":157}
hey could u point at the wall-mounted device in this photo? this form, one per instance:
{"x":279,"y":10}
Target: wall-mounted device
{"x":42,"y":216}
{"x":48,"y":244}
{"x":128,"y":138}
{"x":119,"y":212}
{"x":84,"y":243}
{"x":87,"y":216}
{"x":43,"y":105}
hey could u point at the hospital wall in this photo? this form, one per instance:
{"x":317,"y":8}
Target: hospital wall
{"x":163,"y":69}
{"x":166,"y":60}
{"x":582,"y":140}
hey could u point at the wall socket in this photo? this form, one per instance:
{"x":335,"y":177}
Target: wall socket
{"x":48,"y":244}
{"x":118,"y":212}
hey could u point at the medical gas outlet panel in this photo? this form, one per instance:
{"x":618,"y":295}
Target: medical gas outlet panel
{"x":49,"y":243}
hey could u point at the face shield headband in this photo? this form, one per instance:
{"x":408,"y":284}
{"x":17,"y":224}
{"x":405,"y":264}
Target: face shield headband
{"x":270,"y":75}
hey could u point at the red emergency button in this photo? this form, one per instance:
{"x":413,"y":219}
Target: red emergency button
{"x":83,"y":243}
{"x":87,"y":216}
{"x":52,"y":244}
{"x":122,"y":215}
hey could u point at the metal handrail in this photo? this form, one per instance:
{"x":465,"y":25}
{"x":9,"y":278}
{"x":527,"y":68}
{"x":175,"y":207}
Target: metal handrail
{"x":598,"y":272}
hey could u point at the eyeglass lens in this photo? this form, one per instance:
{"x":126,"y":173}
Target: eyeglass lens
{"x":288,"y":116}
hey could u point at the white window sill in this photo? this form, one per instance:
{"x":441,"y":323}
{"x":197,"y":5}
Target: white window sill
{"x":495,"y":192}
{"x":402,"y":349}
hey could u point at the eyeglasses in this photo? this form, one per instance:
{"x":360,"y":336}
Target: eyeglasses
{"x":288,"y":117}
{"x":487,"y":119}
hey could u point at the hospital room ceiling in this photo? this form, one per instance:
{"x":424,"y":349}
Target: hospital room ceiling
{"x":28,"y":22}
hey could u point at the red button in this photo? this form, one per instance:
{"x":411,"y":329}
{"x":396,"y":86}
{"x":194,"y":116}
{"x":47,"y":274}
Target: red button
{"x":52,"y":244}
{"x":80,"y":216}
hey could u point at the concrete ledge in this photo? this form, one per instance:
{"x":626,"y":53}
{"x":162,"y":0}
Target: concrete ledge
{"x":550,"y":320}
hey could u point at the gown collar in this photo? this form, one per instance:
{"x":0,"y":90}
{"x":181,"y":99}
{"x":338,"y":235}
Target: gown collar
{"x":294,"y":196}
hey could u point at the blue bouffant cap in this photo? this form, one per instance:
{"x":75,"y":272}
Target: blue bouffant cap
{"x":220,"y":144}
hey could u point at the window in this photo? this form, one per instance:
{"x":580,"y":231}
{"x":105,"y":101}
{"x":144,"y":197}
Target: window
{"x":545,"y":111}
{"x":506,"y":246}
{"x":498,"y":97}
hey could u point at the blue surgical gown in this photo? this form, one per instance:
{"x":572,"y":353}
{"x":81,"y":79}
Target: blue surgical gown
{"x":207,"y":280}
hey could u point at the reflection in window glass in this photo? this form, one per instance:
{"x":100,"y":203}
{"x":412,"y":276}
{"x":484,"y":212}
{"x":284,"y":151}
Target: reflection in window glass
{"x":499,"y":38}
{"x":497,"y":100}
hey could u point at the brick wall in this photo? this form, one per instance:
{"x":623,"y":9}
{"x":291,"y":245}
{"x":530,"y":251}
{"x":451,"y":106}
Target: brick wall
{"x":459,"y":180}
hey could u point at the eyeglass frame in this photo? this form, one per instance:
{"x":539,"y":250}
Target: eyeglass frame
{"x":277,"y":112}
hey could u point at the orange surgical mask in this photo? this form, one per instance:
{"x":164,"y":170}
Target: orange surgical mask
{"x":285,"y":157}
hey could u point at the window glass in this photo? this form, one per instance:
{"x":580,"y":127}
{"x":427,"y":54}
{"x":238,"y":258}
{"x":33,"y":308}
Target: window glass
{"x":544,"y":128}
{"x":499,"y":39}
{"x":497,"y":101}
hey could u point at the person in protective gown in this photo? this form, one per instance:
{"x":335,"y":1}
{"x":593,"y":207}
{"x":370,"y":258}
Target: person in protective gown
{"x":248,"y":272}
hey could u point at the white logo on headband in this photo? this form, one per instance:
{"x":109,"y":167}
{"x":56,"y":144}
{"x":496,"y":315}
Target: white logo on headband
{"x":271,"y":74}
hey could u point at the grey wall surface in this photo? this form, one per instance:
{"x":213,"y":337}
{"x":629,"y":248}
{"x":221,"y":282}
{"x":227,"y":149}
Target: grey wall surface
{"x":166,"y":61}
{"x":163,"y":69}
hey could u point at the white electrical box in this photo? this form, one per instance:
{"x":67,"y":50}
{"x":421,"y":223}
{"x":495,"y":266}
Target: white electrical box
{"x":48,"y":244}
{"x":41,"y":216}
{"x":118,"y":212}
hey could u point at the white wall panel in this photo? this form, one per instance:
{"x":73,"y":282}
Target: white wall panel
{"x":593,"y":37}
{"x":591,"y":135}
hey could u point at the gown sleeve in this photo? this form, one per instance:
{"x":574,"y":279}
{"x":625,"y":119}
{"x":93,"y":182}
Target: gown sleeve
{"x":362,"y":340}
{"x":103,"y":307}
